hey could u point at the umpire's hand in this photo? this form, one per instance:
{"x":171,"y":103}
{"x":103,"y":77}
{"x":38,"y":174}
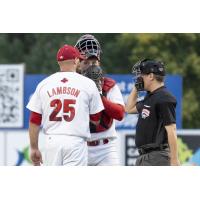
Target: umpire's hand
{"x":175,"y":162}
{"x":36,"y":157}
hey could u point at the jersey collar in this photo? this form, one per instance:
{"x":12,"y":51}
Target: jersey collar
{"x":157,"y":90}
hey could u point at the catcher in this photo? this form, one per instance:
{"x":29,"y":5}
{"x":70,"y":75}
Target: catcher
{"x":102,"y":149}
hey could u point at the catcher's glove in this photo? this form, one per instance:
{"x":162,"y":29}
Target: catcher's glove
{"x":96,"y":74}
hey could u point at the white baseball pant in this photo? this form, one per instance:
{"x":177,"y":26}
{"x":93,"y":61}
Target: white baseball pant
{"x":65,"y":150}
{"x":104,"y":154}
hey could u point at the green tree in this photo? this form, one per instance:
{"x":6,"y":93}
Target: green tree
{"x":180,"y":53}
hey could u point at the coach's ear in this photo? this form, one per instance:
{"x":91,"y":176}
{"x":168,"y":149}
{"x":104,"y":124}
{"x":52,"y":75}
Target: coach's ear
{"x":77,"y":61}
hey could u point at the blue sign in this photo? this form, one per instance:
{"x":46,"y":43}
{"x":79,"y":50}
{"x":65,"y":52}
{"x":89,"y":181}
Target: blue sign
{"x":125,"y":83}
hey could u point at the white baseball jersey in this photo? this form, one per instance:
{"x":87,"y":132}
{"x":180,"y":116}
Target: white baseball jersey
{"x":114,"y":95}
{"x":65,"y":100}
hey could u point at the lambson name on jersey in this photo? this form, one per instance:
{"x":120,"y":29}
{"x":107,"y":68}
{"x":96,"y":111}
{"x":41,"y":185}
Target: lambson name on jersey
{"x":63,"y":90}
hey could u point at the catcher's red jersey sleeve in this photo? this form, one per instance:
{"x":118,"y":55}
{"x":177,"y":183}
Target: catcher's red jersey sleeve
{"x":115,"y":111}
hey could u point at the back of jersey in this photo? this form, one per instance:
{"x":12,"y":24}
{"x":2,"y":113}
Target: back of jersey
{"x":65,"y":100}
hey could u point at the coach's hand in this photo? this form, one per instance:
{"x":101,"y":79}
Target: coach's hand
{"x":36,"y":157}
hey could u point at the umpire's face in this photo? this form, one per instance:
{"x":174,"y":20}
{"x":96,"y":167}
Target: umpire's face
{"x":148,"y":79}
{"x":88,"y":62}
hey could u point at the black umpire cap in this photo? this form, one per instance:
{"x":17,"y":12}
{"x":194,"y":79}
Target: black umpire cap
{"x":148,"y":66}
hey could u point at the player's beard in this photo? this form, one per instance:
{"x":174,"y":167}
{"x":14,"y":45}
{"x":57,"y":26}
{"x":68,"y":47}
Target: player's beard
{"x":78,"y":70}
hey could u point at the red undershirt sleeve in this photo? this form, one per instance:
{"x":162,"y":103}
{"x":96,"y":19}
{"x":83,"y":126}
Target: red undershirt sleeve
{"x":35,"y":118}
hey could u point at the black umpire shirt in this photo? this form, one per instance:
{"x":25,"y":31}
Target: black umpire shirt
{"x":155,"y":112}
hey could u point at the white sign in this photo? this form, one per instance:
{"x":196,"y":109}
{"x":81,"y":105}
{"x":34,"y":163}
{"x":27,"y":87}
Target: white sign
{"x":2,"y":148}
{"x":15,"y":147}
{"x":11,"y":96}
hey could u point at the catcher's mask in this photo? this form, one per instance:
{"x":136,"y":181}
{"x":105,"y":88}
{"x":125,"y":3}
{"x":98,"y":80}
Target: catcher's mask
{"x":146,"y":66}
{"x":93,"y":72}
{"x":89,"y":46}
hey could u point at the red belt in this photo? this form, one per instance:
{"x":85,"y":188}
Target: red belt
{"x":98,"y":142}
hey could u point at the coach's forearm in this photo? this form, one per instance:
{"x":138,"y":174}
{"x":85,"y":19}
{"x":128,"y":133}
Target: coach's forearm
{"x":33,"y":135}
{"x":131,"y":101}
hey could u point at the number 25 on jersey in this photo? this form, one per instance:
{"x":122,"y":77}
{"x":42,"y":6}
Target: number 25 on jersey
{"x":68,"y":110}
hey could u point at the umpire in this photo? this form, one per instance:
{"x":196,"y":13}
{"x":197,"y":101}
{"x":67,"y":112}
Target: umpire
{"x":156,"y":138}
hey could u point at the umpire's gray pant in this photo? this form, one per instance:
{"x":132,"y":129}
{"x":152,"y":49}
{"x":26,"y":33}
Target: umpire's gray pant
{"x":154,"y":158}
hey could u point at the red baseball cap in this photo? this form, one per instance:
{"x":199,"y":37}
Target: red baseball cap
{"x":68,"y":52}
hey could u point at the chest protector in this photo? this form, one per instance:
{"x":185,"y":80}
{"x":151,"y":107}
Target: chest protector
{"x":105,"y":120}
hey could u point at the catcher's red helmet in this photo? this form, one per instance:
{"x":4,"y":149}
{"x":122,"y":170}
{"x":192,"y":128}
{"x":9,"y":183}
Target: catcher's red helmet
{"x":89,"y":46}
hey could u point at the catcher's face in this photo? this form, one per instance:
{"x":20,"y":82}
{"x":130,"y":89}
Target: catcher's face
{"x":90,"y":61}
